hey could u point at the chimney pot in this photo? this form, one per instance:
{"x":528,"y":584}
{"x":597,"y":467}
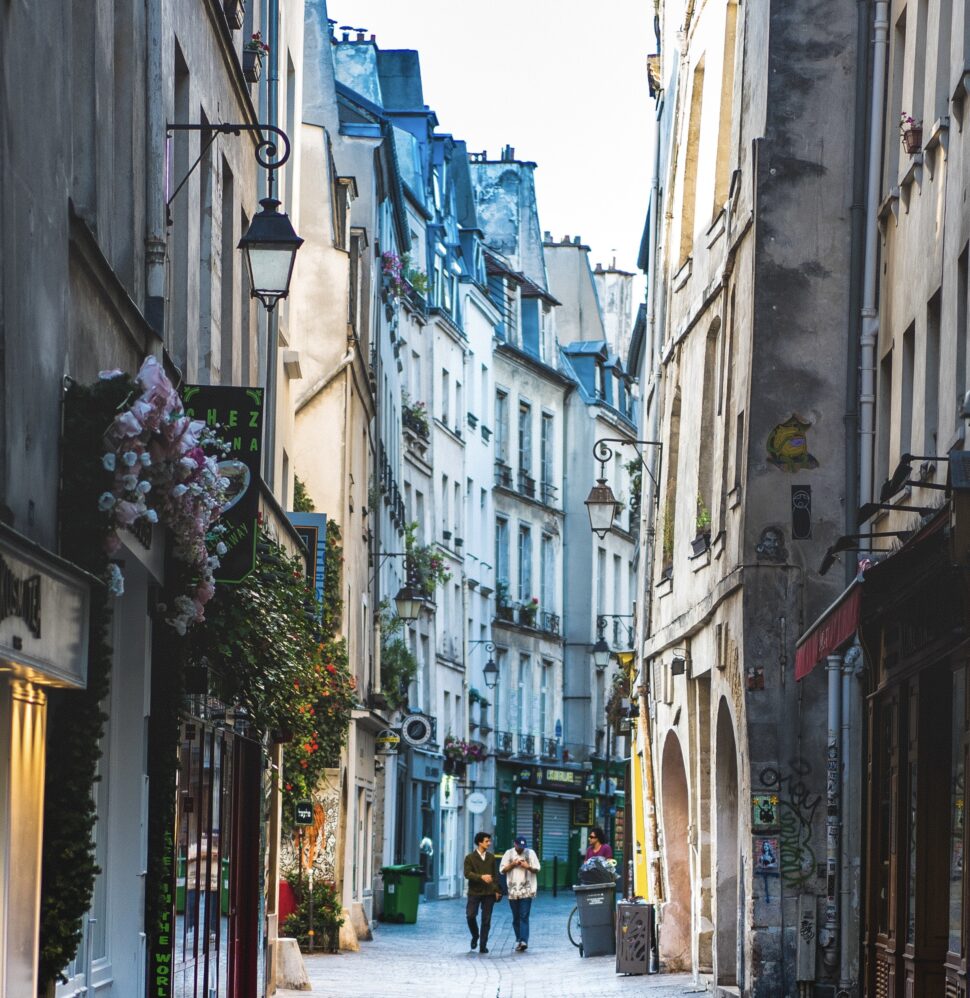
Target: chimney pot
{"x":373,"y":38}
{"x":361,"y":36}
{"x":346,"y":36}
{"x":566,"y":239}
{"x":576,"y":240}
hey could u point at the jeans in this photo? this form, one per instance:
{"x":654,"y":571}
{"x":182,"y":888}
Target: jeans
{"x":487,"y":902}
{"x":520,"y":917}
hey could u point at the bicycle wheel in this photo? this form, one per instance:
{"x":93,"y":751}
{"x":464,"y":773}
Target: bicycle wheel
{"x":573,"y":930}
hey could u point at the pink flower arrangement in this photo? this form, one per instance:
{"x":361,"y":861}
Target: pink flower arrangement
{"x":162,"y":474}
{"x":392,"y":269}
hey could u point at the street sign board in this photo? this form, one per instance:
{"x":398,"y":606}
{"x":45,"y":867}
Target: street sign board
{"x":388,"y":740}
{"x":476,"y":802}
{"x":304,"y":812}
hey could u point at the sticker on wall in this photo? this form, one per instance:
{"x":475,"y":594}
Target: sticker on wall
{"x":801,"y":512}
{"x":766,"y":855}
{"x":764,"y":811}
{"x":788,"y":445}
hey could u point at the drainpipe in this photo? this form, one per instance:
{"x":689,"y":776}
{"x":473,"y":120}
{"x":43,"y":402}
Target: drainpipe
{"x":870,"y":311}
{"x":273,"y":319}
{"x":829,"y":936}
{"x":156,"y":170}
{"x":851,"y":826}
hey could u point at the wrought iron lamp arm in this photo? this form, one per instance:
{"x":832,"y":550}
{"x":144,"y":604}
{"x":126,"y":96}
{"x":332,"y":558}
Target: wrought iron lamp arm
{"x":265,"y":150}
{"x":603,"y":453}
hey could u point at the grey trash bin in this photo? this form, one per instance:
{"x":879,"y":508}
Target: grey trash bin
{"x":634,"y":932}
{"x":597,"y":907}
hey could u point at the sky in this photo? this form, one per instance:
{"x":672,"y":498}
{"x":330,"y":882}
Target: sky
{"x":562,"y":81}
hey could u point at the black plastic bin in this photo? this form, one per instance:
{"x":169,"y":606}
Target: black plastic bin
{"x":597,"y":910}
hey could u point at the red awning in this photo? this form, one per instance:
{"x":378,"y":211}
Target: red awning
{"x":839,"y":622}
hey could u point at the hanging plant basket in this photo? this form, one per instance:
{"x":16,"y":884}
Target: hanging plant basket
{"x":252,"y":64}
{"x":235,"y":13}
{"x":913,"y":140}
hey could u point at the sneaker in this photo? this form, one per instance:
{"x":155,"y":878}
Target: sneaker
{"x":484,"y":949}
{"x":474,"y":943}
{"x":523,"y":947}
{"x":520,"y":947}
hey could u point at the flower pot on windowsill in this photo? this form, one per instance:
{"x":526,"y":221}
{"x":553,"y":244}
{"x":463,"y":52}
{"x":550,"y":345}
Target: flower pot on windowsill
{"x":701,"y":543}
{"x":459,"y":542}
{"x":446,"y":535}
{"x":252,"y":64}
{"x":235,"y":11}
{"x":913,"y":140}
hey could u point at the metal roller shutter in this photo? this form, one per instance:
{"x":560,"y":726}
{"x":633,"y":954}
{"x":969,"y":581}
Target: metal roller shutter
{"x":555,"y":829}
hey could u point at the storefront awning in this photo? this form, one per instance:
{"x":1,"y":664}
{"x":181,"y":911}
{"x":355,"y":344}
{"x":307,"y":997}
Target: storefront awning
{"x":835,"y":626}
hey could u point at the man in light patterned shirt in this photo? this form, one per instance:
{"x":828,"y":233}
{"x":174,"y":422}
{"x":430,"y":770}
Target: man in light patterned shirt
{"x":520,"y":866}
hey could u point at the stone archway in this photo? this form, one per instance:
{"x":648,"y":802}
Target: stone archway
{"x":675,"y":927}
{"x":726,"y":849}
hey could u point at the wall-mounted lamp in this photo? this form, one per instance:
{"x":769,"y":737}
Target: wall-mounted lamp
{"x":270,"y":244}
{"x":601,"y":504}
{"x":490,"y":672}
{"x":678,"y":664}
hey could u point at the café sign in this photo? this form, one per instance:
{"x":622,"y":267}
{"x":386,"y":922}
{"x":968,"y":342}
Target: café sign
{"x":44,"y":607}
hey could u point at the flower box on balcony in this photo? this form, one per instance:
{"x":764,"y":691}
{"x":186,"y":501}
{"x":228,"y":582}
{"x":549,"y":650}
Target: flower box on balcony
{"x":235,"y":11}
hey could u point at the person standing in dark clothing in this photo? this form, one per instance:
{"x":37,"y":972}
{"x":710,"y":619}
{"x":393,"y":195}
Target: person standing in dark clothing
{"x":483,"y":890}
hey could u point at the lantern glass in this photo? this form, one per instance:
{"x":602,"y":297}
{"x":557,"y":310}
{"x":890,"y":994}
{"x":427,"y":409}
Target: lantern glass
{"x":602,"y":507}
{"x":491,"y":674}
{"x":270,"y":247}
{"x":408,"y":603}
{"x":601,"y":654}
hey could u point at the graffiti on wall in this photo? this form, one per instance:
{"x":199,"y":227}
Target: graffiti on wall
{"x":787,"y":445}
{"x":790,"y":807}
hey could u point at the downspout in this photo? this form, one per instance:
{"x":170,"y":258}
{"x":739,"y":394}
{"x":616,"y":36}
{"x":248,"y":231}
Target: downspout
{"x":155,"y":174}
{"x":829,"y":936}
{"x":851,"y":826}
{"x":870,"y":312}
{"x":273,"y":319}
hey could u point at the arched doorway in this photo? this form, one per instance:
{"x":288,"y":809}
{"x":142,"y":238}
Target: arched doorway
{"x":726,"y":849}
{"x":675,"y":929}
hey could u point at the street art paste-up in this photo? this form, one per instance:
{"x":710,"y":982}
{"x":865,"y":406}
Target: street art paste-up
{"x":766,"y":852}
{"x":788,"y":446}
{"x":764,"y":811}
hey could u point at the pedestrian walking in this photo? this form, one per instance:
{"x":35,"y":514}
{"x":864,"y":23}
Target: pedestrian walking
{"x":520,"y":866}
{"x":483,"y":891}
{"x":598,"y":846}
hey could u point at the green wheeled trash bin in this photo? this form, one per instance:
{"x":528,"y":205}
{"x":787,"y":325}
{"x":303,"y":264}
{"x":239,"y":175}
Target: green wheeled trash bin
{"x":402,"y":887}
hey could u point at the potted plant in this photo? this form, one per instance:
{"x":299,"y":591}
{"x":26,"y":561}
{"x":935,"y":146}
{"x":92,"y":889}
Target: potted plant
{"x":253,"y":52}
{"x":702,"y":522}
{"x":327,"y":915}
{"x":911,"y":130}
{"x":235,"y":11}
{"x":527,"y":615}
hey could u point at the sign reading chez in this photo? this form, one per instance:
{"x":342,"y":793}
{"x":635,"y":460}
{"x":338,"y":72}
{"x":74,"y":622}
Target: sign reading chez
{"x":43,"y":614}
{"x":238,"y":412}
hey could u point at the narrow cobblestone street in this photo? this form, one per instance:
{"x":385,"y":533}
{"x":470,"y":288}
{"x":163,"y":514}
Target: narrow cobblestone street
{"x":431,"y":959}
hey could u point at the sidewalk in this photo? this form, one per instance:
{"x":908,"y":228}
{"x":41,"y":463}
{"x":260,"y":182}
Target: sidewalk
{"x":431,"y":959}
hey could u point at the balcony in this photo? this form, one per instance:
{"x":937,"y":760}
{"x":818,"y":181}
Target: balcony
{"x":550,"y":748}
{"x":527,"y":484}
{"x":549,"y":622}
{"x":415,"y":419}
{"x":504,"y":743}
{"x":503,"y":475}
{"x":549,"y":494}
{"x":527,"y":745}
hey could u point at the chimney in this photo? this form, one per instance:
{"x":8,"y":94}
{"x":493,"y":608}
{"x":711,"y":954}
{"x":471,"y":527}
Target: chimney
{"x":373,"y":38}
{"x":361,"y":36}
{"x":345,"y":37}
{"x":576,"y":240}
{"x":566,"y":240}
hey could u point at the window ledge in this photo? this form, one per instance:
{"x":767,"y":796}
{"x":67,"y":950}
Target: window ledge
{"x":734,"y":497}
{"x":683,"y":274}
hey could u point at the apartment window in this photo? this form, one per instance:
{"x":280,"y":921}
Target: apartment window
{"x":547,"y":574}
{"x":962,"y":290}
{"x":449,"y":729}
{"x":931,"y":376}
{"x":906,"y":391}
{"x":524,"y":713}
{"x":457,"y":509}
{"x":689,"y":192}
{"x":482,"y":500}
{"x":499,"y":708}
{"x":502,"y":550}
{"x":445,"y":524}
{"x":459,"y":411}
{"x":525,"y":563}
{"x":445,"y":396}
{"x":483,"y":397}
{"x":601,"y":580}
{"x":415,"y":373}
{"x":502,"y":427}
{"x":226,"y":281}
{"x":544,"y":690}
{"x":547,"y":446}
{"x":525,"y":437}
{"x":419,"y":515}
{"x":705,"y":471}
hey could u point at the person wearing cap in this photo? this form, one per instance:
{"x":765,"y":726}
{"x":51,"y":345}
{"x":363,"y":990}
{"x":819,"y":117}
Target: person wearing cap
{"x":520,"y":866}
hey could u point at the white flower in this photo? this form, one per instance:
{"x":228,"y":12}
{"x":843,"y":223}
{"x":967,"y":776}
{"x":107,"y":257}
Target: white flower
{"x":223,"y":483}
{"x":179,"y":491}
{"x":180,"y":627}
{"x":108,"y":462}
{"x":106,"y":501}
{"x":151,"y":516}
{"x":144,"y":488}
{"x":187,"y":464}
{"x":130,"y":482}
{"x":129,"y":458}
{"x":145,"y":459}
{"x":221,"y":549}
{"x":116,"y":581}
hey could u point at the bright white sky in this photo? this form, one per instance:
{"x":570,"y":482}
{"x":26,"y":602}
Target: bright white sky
{"x":562,"y":81}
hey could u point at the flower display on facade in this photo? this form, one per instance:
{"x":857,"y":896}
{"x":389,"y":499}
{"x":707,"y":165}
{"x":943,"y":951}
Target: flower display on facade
{"x":163,"y":474}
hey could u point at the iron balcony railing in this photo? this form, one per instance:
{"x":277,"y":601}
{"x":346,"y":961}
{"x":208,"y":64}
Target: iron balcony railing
{"x":527,"y":484}
{"x":550,"y":748}
{"x":549,"y":622}
{"x":503,"y":475}
{"x":549,"y":494}
{"x":527,"y":745}
{"x":504,"y":744}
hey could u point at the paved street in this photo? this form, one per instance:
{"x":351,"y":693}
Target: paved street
{"x":431,"y":959}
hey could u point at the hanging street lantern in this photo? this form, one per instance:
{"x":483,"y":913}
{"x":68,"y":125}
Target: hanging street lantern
{"x":270,"y":247}
{"x":602,"y":507}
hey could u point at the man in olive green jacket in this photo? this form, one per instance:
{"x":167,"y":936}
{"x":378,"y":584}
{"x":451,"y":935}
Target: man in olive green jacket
{"x":483,"y":889}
